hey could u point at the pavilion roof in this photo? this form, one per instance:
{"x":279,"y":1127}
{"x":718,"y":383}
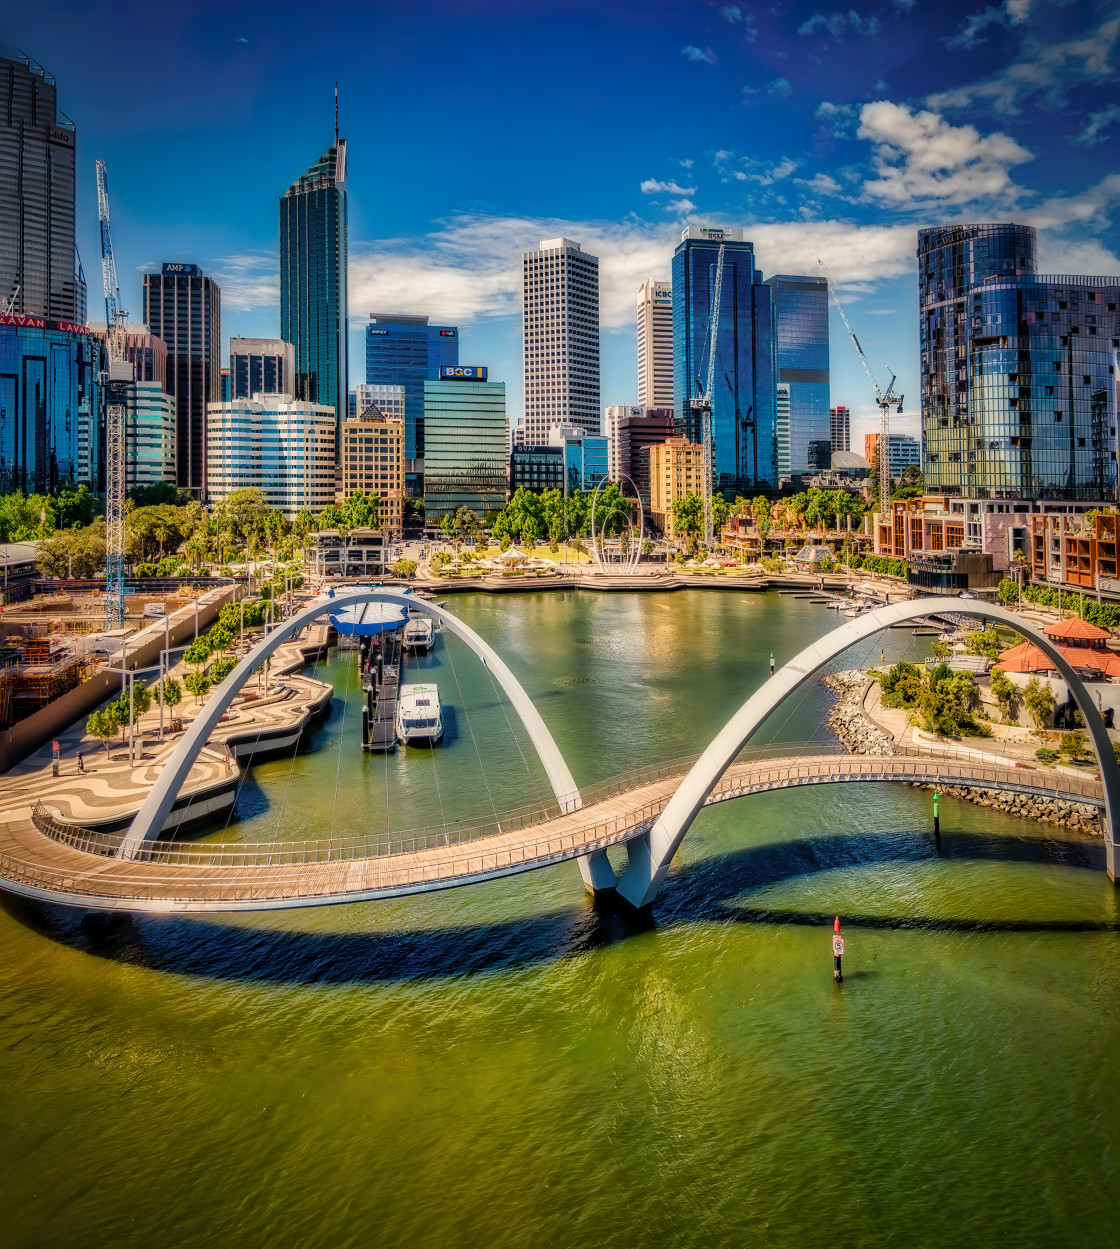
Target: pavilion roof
{"x":1026,"y":657}
{"x":1075,"y":627}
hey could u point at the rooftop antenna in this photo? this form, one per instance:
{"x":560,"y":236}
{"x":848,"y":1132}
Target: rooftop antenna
{"x":336,"y":112}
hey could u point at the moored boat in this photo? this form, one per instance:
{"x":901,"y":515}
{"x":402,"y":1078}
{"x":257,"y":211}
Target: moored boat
{"x":419,"y":718}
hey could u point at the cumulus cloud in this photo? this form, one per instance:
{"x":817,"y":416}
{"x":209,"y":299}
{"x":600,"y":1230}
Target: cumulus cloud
{"x":737,"y":17}
{"x":692,"y":53}
{"x":1010,"y":13}
{"x":839,"y":118}
{"x":780,"y":86}
{"x":920,"y":158}
{"x":823,"y":184}
{"x":1095,"y":125}
{"x":680,"y":207}
{"x":767,"y":175}
{"x":1045,"y":72}
{"x":839,"y":24}
{"x":651,"y":186}
{"x":1088,"y":206}
{"x":250,"y":280}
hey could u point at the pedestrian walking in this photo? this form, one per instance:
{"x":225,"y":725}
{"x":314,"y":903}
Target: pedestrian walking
{"x":81,"y":762}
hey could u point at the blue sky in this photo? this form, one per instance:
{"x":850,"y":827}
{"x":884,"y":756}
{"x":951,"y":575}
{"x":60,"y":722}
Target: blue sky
{"x":476,"y":129}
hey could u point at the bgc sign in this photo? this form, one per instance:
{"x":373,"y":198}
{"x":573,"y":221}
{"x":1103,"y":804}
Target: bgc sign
{"x":463,"y":372}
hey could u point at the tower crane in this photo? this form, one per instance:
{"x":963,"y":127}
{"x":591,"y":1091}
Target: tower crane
{"x":886,"y":399}
{"x":702,"y":404}
{"x":118,"y":376}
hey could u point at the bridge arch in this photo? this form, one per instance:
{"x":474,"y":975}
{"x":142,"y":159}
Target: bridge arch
{"x":149,"y":820}
{"x":650,"y":856}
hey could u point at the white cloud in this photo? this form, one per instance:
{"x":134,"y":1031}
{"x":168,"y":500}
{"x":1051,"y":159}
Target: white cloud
{"x":248,"y":281}
{"x":839,"y":24}
{"x":1088,"y":207}
{"x":921,"y":159}
{"x":1092,"y":132}
{"x":1010,"y":13}
{"x":685,"y":164}
{"x":1075,"y":255}
{"x":780,"y":86}
{"x":824,"y":184}
{"x":692,"y":53}
{"x":767,"y":175}
{"x":732,"y":12}
{"x":680,"y":207}
{"x":1046,"y":71}
{"x":840,"y":118}
{"x":651,"y":186}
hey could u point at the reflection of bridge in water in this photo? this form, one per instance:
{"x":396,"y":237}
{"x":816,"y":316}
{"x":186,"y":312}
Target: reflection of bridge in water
{"x":648,"y":811}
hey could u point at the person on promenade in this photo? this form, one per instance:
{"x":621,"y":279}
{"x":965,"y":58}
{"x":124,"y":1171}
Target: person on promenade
{"x":81,"y":762}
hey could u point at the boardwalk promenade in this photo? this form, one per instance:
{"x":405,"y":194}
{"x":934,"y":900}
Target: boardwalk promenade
{"x":52,"y":859}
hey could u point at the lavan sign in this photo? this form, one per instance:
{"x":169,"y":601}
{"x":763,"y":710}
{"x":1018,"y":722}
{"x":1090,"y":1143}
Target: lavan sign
{"x":463,"y":372}
{"x":41,"y":323}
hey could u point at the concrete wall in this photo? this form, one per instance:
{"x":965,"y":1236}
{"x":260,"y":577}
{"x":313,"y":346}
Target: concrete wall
{"x":25,"y":737}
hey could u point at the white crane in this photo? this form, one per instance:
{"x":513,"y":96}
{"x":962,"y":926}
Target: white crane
{"x":10,"y":306}
{"x":114,"y":416}
{"x":702,"y":404}
{"x":886,"y":399}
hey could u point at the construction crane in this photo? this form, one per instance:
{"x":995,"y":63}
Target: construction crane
{"x":117,"y":378}
{"x":10,"y":306}
{"x":702,"y":404}
{"x":886,"y":399}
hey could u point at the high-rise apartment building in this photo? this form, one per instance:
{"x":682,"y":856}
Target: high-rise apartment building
{"x":560,"y":305}
{"x":373,"y":463}
{"x":781,"y":427}
{"x":313,"y":294}
{"x":50,"y":405}
{"x":584,"y":457}
{"x":840,"y":428}
{"x":801,"y":338}
{"x":1018,"y":369}
{"x":744,"y":433}
{"x":281,"y":445}
{"x":676,"y":469}
{"x":408,"y":351}
{"x":184,"y":308}
{"x":904,"y":452}
{"x":655,"y":344}
{"x":149,"y":434}
{"x":39,"y":269}
{"x":260,"y":366}
{"x":631,"y":431}
{"x":466,"y":440}
{"x":143,"y":350}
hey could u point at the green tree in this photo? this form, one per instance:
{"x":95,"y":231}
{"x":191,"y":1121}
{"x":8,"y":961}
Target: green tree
{"x":220,"y":639}
{"x":1039,"y":700}
{"x":76,"y":507}
{"x":688,"y":516}
{"x":169,"y":692}
{"x":198,"y":684}
{"x":760,"y":506}
{"x":221,"y":668}
{"x":1008,"y":591}
{"x":984,"y":642}
{"x":198,"y":652}
{"x":361,"y":511}
{"x":103,"y":724}
{"x":1007,"y":695}
{"x":404,"y":568}
{"x":1073,"y":745}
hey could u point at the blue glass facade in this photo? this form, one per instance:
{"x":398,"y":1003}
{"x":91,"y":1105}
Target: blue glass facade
{"x":1018,"y":369}
{"x":407,"y":351}
{"x":51,"y":413}
{"x":744,"y":418}
{"x":313,"y":296}
{"x":801,"y":335}
{"x":585,"y":462}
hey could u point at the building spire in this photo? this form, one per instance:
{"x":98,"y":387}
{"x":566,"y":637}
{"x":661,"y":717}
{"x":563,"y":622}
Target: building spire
{"x":336,"y":112}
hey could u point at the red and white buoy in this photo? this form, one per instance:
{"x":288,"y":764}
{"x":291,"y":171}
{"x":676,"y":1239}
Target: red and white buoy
{"x":837,"y":951}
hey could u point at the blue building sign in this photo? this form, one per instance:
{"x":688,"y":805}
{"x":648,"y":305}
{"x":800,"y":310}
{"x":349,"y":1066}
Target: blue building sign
{"x":463,"y":372}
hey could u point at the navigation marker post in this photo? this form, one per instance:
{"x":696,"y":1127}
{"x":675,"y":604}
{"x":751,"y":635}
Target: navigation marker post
{"x":771,"y":663}
{"x":936,"y":814}
{"x":837,"y":952}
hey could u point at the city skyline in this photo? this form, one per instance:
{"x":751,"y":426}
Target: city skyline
{"x":776,"y":127}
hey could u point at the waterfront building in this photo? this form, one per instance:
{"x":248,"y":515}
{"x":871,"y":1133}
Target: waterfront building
{"x":904,"y":452}
{"x":655,"y":344}
{"x":282,"y":445}
{"x":388,"y":400}
{"x":801,"y":341}
{"x":360,"y":553}
{"x":149,"y":435}
{"x":781,"y":428}
{"x":51,"y":405}
{"x":1018,"y":369}
{"x":560,"y":330}
{"x":373,"y":463}
{"x":39,"y":268}
{"x":536,"y":468}
{"x":260,"y":366}
{"x":584,"y":456}
{"x":466,"y":440}
{"x":313,"y":293}
{"x":184,"y":308}
{"x":840,"y":428}
{"x":408,"y":351}
{"x":676,"y":469}
{"x":744,"y":433}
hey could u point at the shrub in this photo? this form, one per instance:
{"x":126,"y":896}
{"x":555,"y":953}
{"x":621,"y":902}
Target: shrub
{"x":1007,"y":695}
{"x":1008,"y":591}
{"x":221,"y":668}
{"x":1073,"y":745}
{"x":901,"y":685}
{"x":1045,"y":755}
{"x":197,"y":683}
{"x":1039,"y":700}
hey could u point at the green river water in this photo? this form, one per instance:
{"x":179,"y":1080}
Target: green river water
{"x":506,"y":1066}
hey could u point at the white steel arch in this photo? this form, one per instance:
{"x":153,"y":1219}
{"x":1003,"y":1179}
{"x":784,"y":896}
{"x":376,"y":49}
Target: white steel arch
{"x":629,"y":564}
{"x":649,"y":857}
{"x":149,"y":820}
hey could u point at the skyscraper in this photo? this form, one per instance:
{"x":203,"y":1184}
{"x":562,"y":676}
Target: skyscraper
{"x":801,"y":335}
{"x":1018,"y":369}
{"x":744,"y":434}
{"x":38,"y":258}
{"x":560,"y":302}
{"x":466,"y":460}
{"x":840,"y":425}
{"x":655,"y":344}
{"x":313,"y":298}
{"x":184,"y":308}
{"x":261,"y":366}
{"x":407,"y":351}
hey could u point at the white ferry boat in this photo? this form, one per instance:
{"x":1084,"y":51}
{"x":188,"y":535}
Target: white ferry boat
{"x":418,"y":714}
{"x":419,"y":634}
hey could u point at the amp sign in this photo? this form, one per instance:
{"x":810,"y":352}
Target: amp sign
{"x":463,"y":372}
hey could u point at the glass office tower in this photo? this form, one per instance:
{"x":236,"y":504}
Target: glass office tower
{"x":744,"y":432}
{"x":1018,"y":369}
{"x":407,"y":351}
{"x":50,"y":406}
{"x":313,"y":294}
{"x":801,"y":326}
{"x":466,"y":439}
{"x":184,"y":308}
{"x":38,"y":257}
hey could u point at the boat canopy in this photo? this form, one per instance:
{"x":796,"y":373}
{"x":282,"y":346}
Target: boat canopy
{"x":369,"y":619}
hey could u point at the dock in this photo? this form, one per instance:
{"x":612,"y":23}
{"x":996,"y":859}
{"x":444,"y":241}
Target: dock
{"x":381,"y":680}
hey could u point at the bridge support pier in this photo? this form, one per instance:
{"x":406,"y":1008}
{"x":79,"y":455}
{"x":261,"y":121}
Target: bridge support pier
{"x":598,"y":875}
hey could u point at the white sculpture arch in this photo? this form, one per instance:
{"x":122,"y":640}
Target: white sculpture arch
{"x":650,"y":856}
{"x":629,"y":564}
{"x":149,"y":820}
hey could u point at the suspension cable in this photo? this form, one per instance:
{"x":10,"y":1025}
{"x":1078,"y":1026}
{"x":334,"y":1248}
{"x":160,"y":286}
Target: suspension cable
{"x":295,"y":746}
{"x":470,"y":727}
{"x":516,"y":742}
{"x":341,"y":739}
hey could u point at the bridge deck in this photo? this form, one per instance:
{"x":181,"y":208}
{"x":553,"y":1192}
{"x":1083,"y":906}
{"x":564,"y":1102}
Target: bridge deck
{"x":206,"y":877}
